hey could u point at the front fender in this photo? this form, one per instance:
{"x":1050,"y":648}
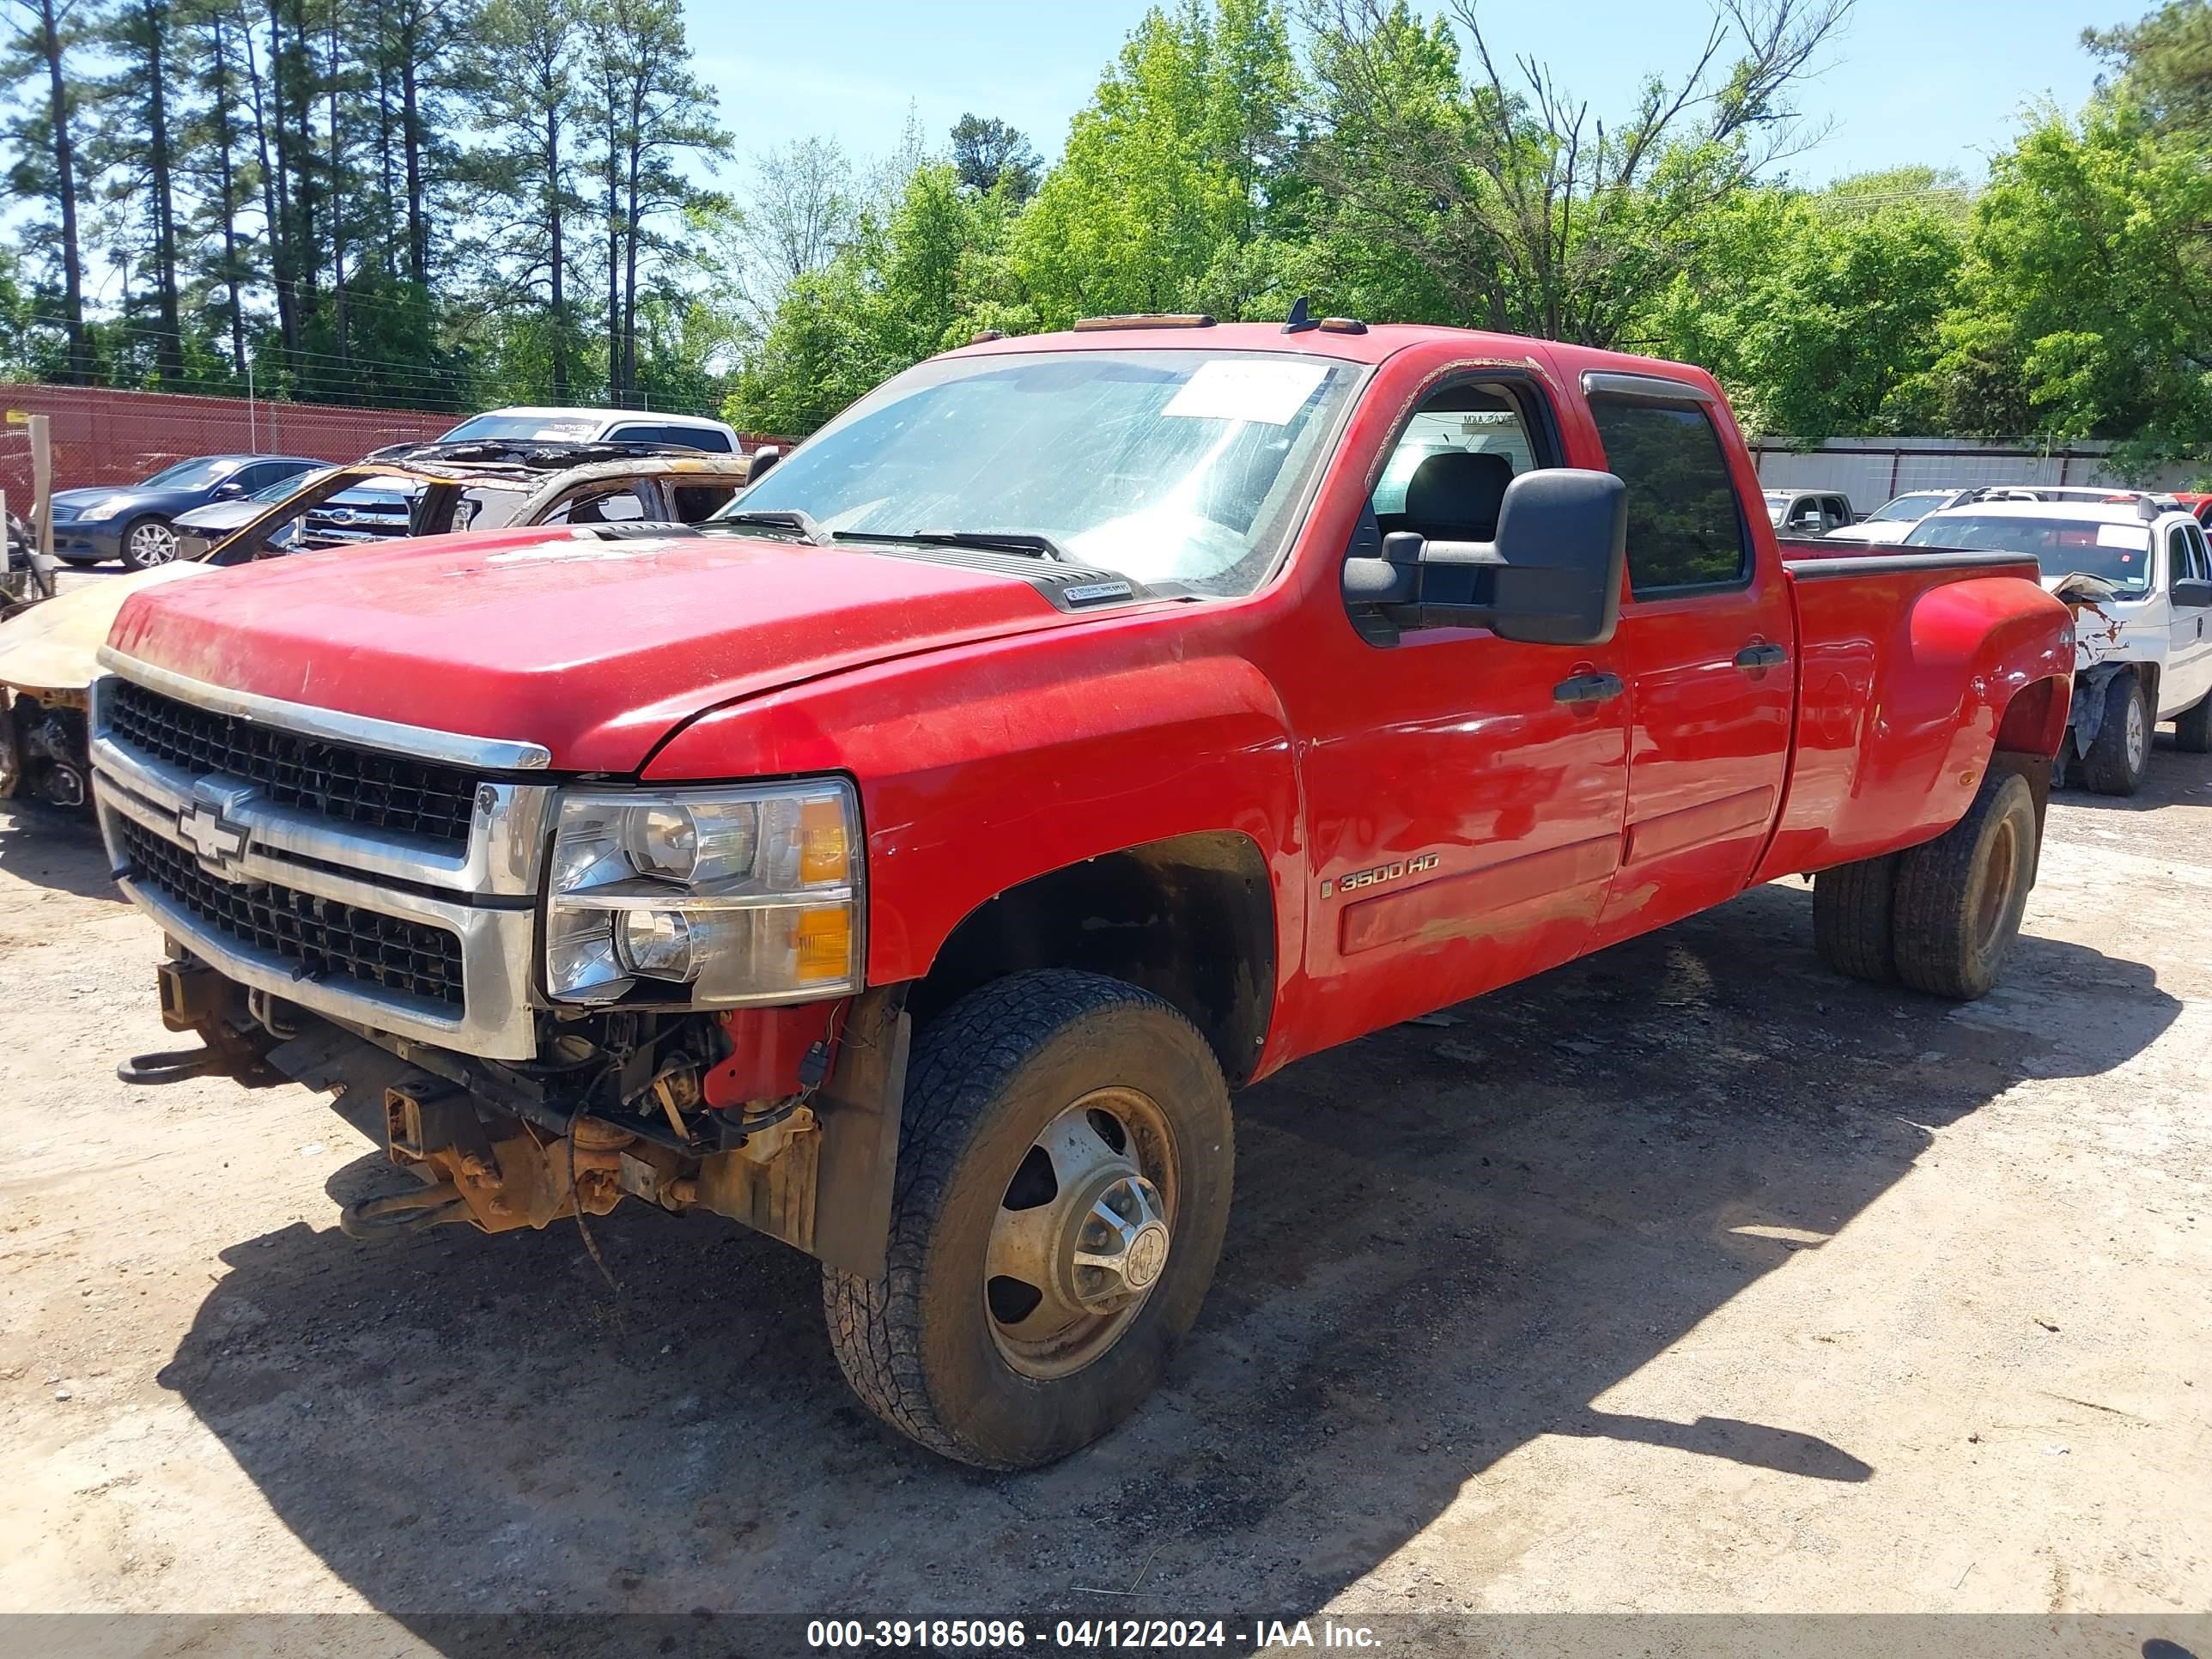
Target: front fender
{"x":1903,"y":685}
{"x":986,"y":767}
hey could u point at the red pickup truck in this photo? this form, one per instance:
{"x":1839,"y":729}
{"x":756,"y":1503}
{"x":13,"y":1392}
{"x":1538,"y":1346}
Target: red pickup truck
{"x":909,"y":862}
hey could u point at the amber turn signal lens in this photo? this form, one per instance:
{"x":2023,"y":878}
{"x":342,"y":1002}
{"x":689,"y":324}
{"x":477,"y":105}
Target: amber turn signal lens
{"x":822,"y":854}
{"x":824,"y":940}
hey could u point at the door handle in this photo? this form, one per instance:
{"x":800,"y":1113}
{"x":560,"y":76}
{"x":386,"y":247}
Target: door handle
{"x":1587,"y":687}
{"x":1761,"y":656}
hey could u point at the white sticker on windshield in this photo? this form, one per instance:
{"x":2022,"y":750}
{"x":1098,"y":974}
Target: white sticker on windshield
{"x":2131,"y":536}
{"x":1243,"y":389}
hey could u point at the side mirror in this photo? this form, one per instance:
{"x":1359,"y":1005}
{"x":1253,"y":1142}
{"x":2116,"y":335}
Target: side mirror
{"x":763,"y":459}
{"x":230,"y":491}
{"x":2192,"y":593}
{"x":1551,"y":577}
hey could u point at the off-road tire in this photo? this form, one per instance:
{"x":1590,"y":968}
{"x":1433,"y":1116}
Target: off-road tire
{"x":986,"y":1074}
{"x":1951,"y":933}
{"x":1851,"y":918}
{"x":2192,"y":727}
{"x":2106,"y":768}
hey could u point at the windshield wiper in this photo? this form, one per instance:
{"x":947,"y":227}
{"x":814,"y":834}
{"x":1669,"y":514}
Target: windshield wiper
{"x":790,"y":518}
{"x":1001,"y":541}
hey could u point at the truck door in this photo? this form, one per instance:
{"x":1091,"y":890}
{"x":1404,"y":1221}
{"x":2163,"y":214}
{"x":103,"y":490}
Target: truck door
{"x":1463,"y":791}
{"x":2187,"y":674}
{"x":1704,"y":642}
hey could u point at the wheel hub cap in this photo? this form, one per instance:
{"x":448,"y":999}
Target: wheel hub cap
{"x":2136,"y":734}
{"x":1083,"y":1234}
{"x":1120,"y":1244}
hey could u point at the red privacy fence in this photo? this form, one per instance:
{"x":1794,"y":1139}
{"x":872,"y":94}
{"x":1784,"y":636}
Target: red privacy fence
{"x":103,"y":437}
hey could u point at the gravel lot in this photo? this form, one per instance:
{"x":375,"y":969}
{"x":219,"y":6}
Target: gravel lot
{"x":1685,"y":1278}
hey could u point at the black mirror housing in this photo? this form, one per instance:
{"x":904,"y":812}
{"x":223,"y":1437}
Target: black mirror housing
{"x":1552,"y":576}
{"x":760,"y":459}
{"x":2192,"y":593}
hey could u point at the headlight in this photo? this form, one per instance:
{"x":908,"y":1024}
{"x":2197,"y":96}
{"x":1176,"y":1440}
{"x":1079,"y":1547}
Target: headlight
{"x":709,"y":898}
{"x":106,"y":509}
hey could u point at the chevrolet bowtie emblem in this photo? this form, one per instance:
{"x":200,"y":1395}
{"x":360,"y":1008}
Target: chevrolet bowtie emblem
{"x":218,"y":842}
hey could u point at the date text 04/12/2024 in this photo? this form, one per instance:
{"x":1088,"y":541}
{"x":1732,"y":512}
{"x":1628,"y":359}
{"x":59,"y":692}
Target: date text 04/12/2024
{"x":1086,"y":1635}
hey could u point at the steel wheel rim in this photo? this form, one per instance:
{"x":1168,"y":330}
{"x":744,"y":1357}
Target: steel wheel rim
{"x":1065,"y":1275}
{"x":153,"y":544}
{"x":1998,"y":881}
{"x":2139,"y":732}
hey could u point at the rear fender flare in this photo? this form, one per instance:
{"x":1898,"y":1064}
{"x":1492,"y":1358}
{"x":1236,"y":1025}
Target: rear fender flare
{"x":1897,"y":733}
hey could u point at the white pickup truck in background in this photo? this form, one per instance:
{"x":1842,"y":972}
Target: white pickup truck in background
{"x":2137,"y":575}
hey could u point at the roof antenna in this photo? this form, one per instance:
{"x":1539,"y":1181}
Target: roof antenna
{"x":1299,"y":320}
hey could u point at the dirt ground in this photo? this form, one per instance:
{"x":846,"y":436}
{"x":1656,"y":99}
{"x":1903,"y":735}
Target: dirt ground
{"x":1686,"y":1279}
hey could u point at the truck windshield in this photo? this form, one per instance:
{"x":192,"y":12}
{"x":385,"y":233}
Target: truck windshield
{"x":552,"y":427}
{"x":1181,"y":468}
{"x":2117,"y":553}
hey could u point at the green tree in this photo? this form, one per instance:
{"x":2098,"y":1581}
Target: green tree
{"x":649,"y":108}
{"x":2086,"y":302}
{"x":926,"y":276}
{"x":1168,"y":173}
{"x":1819,"y":311}
{"x":136,"y":145}
{"x":529,"y":167}
{"x":2164,"y":62}
{"x":43,"y":38}
{"x":988,"y":156}
{"x":1528,"y":213}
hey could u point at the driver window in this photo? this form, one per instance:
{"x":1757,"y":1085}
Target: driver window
{"x":1446,"y":477}
{"x":2200,"y":558}
{"x":608,"y":506}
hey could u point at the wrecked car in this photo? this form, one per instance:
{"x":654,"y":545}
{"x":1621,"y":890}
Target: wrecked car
{"x":2137,"y":574}
{"x":48,"y":652}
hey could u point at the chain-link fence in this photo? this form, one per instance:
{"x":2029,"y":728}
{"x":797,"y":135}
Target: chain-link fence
{"x":1871,"y":470}
{"x":104,"y":436}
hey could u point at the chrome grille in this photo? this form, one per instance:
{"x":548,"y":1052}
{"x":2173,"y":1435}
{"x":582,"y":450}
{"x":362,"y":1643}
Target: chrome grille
{"x":358,"y":786}
{"x":321,"y":939}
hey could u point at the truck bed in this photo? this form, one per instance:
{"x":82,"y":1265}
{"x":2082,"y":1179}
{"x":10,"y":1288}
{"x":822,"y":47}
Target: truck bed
{"x":1890,"y":718}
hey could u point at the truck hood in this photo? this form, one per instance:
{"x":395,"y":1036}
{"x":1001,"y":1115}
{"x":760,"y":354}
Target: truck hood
{"x":594,"y":649}
{"x":55,"y":644}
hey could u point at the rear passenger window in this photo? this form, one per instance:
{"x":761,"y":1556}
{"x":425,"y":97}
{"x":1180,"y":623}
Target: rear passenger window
{"x":675,"y":437}
{"x":1684,"y":530}
{"x":694,"y":502}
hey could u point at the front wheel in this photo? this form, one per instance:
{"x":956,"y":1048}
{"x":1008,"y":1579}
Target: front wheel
{"x":147,"y":542}
{"x":2117,"y":760}
{"x":1064,"y":1173}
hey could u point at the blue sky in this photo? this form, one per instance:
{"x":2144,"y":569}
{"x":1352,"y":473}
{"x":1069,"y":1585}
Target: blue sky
{"x":1935,"y":81}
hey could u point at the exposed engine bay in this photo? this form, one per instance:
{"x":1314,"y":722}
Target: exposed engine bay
{"x":42,"y":746}
{"x":719,"y":1112}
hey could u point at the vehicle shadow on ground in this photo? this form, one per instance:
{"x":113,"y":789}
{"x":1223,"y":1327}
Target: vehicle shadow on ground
{"x":2174,"y":778}
{"x":48,"y":846}
{"x":1450,"y":1238}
